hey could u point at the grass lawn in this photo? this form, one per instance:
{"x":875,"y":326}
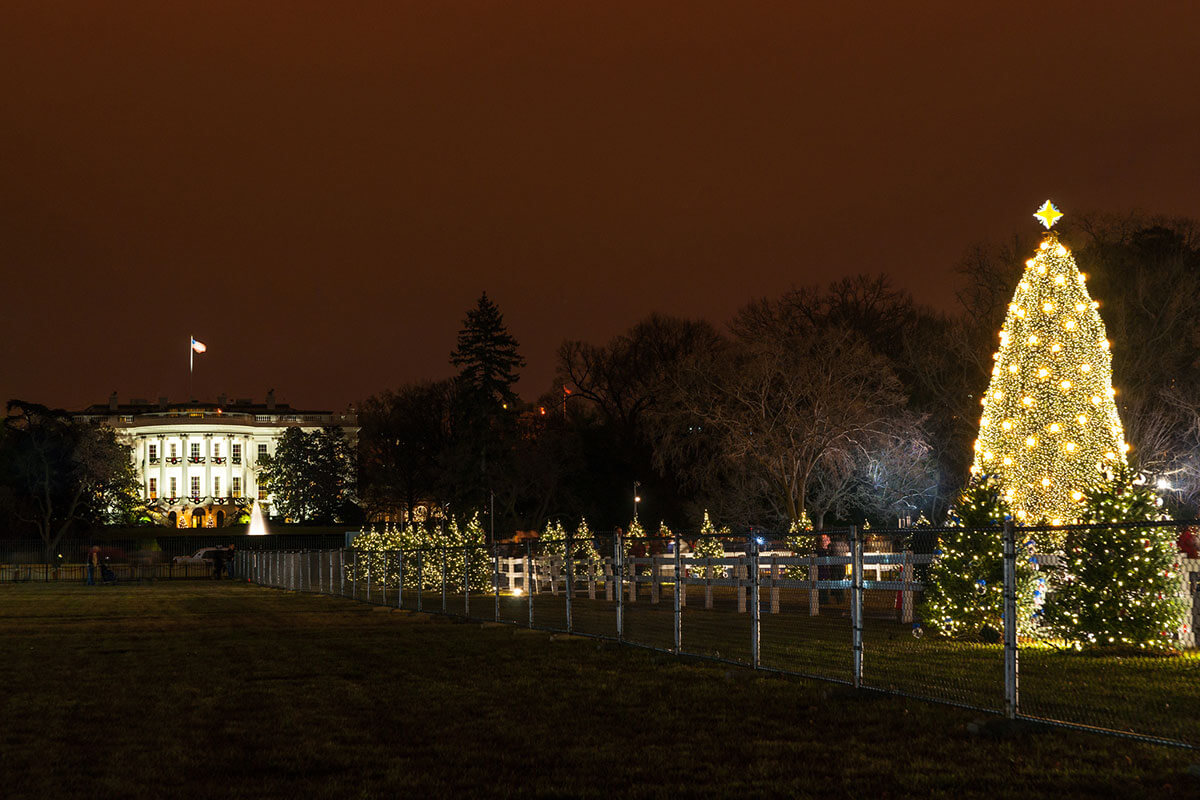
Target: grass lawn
{"x":230,"y":690}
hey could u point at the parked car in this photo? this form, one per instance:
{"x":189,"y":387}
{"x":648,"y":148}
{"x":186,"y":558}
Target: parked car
{"x":203,"y":556}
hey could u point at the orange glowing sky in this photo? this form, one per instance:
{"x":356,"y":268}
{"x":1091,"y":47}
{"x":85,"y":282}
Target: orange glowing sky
{"x":318,"y":191}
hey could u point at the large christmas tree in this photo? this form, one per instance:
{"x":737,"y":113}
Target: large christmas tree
{"x":1049,"y":419}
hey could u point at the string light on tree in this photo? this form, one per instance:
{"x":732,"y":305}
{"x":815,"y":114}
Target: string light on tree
{"x":1049,"y":419}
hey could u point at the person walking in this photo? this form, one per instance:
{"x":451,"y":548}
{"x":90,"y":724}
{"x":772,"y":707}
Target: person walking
{"x":218,"y":559}
{"x":93,"y":564}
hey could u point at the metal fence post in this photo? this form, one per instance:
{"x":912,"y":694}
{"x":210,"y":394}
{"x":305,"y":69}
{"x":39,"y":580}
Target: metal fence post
{"x":420,"y":577}
{"x":1011,"y":694}
{"x":342,"y":571}
{"x":354,"y":577}
{"x":367,"y":575}
{"x":443,"y":579}
{"x":496,"y":577}
{"x":678,"y":597}
{"x":529,"y":578}
{"x":856,"y":604}
{"x":570,"y":569}
{"x":399,"y":579}
{"x":755,"y":606}
{"x":467,"y":581}
{"x":619,"y":571}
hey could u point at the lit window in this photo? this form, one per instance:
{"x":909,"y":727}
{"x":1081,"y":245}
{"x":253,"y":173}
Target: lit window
{"x":236,"y":489}
{"x":153,"y":452}
{"x":195,"y":486}
{"x":262,"y":492}
{"x":237,"y":452}
{"x":174,"y":488}
{"x":216,"y":486}
{"x":153,"y":488}
{"x":195,"y":449}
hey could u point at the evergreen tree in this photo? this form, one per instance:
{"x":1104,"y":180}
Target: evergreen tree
{"x":964,"y":594}
{"x":553,"y":540}
{"x":1118,"y":586}
{"x":709,"y":545}
{"x":585,"y":545}
{"x":1049,"y":418}
{"x":800,"y":542}
{"x":465,"y":545}
{"x":484,"y":407}
{"x":487,"y":356}
{"x":311,"y":476}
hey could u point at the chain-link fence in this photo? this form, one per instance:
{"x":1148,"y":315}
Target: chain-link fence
{"x":1004,"y":620}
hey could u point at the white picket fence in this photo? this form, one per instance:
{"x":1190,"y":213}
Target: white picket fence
{"x":891,"y":571}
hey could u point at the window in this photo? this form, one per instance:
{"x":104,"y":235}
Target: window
{"x":237,"y":485}
{"x":262,"y":450}
{"x":153,"y":487}
{"x":216,"y":486}
{"x":237,"y":452}
{"x":152,"y":451}
{"x":216,"y":449}
{"x":195,"y":449}
{"x":262,"y":492}
{"x":195,"y":486}
{"x":174,"y":488}
{"x":174,"y":450}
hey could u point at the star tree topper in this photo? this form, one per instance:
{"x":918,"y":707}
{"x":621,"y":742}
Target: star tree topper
{"x":1048,"y":214}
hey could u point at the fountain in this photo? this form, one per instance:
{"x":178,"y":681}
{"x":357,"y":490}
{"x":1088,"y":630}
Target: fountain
{"x":258,"y":525}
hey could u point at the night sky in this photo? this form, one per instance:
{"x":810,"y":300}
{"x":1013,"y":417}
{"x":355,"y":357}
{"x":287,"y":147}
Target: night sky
{"x":320,"y":191}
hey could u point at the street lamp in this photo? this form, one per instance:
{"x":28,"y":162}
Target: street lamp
{"x":636,"y":499}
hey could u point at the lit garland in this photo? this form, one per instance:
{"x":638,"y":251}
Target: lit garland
{"x":1049,"y":419}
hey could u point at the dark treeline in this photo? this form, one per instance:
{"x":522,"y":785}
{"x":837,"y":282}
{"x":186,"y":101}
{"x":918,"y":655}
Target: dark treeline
{"x":837,"y":403}
{"x":843,"y":403}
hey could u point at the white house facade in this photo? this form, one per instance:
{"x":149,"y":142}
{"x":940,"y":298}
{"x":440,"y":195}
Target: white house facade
{"x":197,"y":462}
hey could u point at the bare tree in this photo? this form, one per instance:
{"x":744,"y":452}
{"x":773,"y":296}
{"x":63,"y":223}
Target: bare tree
{"x":61,"y":472}
{"x":796,"y":414}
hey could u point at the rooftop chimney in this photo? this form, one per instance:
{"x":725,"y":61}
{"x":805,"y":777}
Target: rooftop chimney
{"x":222,"y":400}
{"x":270,"y":399}
{"x":162,"y":403}
{"x":112,"y":401}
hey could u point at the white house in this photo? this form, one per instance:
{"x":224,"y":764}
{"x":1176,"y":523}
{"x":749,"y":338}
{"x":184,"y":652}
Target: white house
{"x":197,"y":461}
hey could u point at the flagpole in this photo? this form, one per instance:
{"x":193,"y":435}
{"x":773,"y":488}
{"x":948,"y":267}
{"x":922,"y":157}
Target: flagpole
{"x":191,"y":364}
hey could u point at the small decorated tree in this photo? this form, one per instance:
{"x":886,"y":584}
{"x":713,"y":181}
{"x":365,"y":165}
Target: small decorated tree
{"x":584,"y":544}
{"x":709,"y":545}
{"x":964,"y":596}
{"x":553,"y":540}
{"x":1118,"y":586}
{"x":800,"y":542}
